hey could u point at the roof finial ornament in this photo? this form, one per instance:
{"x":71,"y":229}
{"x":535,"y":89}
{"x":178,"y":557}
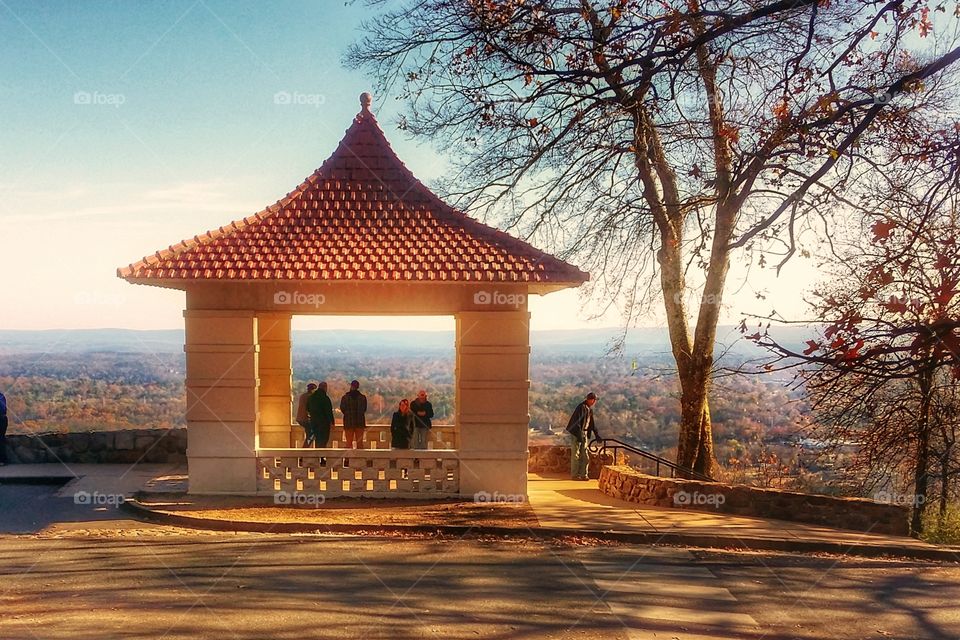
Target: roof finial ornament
{"x":366,"y":99}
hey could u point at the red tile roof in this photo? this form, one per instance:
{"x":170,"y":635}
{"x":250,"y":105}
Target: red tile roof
{"x":362,"y":216}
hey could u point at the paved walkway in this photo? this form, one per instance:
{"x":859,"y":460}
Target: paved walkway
{"x":104,"y":479}
{"x":558,"y":505}
{"x":561,"y":503}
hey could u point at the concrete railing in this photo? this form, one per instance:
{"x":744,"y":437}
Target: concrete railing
{"x":858,"y":514}
{"x":294,"y":477}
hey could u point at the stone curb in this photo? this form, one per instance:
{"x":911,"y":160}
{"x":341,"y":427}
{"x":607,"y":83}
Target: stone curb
{"x":137,"y":508}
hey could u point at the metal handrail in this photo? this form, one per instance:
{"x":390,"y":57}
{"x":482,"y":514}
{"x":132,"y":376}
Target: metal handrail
{"x":601,"y":445}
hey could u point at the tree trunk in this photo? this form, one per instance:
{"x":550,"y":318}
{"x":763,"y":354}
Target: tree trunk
{"x":695,"y":442}
{"x":920,"y":473}
{"x":944,"y":479}
{"x":948,"y":443}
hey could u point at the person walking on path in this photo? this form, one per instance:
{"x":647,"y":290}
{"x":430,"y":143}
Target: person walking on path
{"x":3,"y":430}
{"x":353,"y":404}
{"x":401,"y":426}
{"x":580,"y":427}
{"x":422,"y":419}
{"x":303,"y":416}
{"x":320,"y":410}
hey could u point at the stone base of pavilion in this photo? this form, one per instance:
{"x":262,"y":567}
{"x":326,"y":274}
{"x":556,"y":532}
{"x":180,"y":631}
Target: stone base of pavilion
{"x":364,"y":473}
{"x":370,"y":473}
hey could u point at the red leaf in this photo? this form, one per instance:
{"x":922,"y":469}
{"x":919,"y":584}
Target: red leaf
{"x":945,"y":293}
{"x":730,"y":132}
{"x":881,"y":229}
{"x":884,"y":277}
{"x":781,"y":110}
{"x":812,"y":345}
{"x":951,"y":342}
{"x":853,"y":351}
{"x":894,"y":305}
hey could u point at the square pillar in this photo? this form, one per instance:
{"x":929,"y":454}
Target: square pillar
{"x":222,"y":400}
{"x":276,"y":379}
{"x":492,"y":387}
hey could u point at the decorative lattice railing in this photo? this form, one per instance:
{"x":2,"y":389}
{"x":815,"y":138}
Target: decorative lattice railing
{"x":358,"y":473}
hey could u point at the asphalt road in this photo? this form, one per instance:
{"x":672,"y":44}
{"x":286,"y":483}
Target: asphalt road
{"x":29,"y":508}
{"x":168,"y":583}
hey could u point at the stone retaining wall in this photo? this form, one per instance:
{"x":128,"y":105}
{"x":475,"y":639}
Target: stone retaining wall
{"x":858,"y":514}
{"x":99,"y":447}
{"x":550,"y":458}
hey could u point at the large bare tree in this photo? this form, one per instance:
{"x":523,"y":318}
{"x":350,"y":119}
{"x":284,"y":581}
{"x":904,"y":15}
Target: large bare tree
{"x":652,"y":139}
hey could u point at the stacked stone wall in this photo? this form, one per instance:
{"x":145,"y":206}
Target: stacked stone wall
{"x":99,"y":447}
{"x":551,"y":459}
{"x":858,"y":514}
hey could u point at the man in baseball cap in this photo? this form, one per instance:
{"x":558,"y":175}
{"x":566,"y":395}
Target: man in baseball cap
{"x":580,"y":427}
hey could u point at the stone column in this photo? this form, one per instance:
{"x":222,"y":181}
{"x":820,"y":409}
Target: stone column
{"x":222,"y":400}
{"x":276,"y":379}
{"x":492,"y":386}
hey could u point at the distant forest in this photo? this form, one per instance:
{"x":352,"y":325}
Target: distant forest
{"x":109,"y":390}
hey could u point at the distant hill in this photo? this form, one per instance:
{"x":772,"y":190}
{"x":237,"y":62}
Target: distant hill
{"x":648,"y":341}
{"x":89,"y":340}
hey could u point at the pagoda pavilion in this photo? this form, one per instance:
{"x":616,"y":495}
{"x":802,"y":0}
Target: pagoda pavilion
{"x":360,"y":236}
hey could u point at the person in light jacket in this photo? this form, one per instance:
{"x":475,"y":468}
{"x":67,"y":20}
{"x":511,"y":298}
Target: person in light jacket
{"x":422,"y":419}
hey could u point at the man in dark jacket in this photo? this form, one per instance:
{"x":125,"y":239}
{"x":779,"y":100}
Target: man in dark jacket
{"x":353,"y":404}
{"x":580,"y":428}
{"x":320,"y":410}
{"x":3,"y":430}
{"x":303,"y":416}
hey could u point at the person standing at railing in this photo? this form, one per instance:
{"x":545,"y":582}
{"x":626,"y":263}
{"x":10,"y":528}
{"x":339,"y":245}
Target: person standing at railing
{"x":320,"y":410}
{"x":401,"y":426}
{"x":422,"y":419}
{"x":579,"y":429}
{"x":3,"y":430}
{"x":303,"y":416}
{"x":353,"y":404}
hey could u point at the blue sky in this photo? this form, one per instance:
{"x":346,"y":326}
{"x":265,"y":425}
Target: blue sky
{"x":127,"y":126}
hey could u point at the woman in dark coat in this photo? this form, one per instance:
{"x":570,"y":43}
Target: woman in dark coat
{"x":401,"y":426}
